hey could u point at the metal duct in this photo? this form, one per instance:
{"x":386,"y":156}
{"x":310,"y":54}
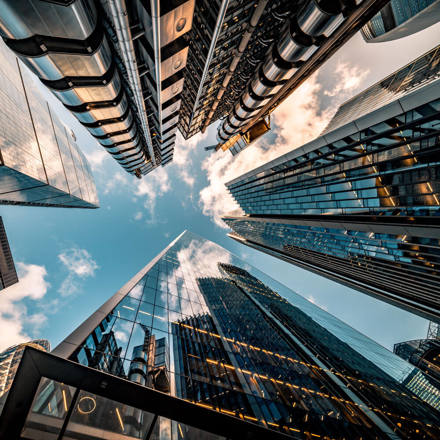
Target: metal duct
{"x":65,"y":45}
{"x":258,"y":12}
{"x":318,"y":18}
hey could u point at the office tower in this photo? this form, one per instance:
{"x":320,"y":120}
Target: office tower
{"x":10,"y":360}
{"x":8,"y":275}
{"x":135,"y":71}
{"x":360,"y":203}
{"x":40,"y":163}
{"x":423,"y":353}
{"x":202,"y":325}
{"x":400,"y":18}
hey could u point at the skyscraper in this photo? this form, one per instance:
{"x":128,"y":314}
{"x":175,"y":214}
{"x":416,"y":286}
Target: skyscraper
{"x":424,"y":354}
{"x":202,"y":325}
{"x":10,"y":360}
{"x":400,"y":18}
{"x":40,"y":163}
{"x":133,"y":72}
{"x":360,"y":203}
{"x":8,"y":274}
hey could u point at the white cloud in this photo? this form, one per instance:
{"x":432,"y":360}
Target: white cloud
{"x":97,"y":159}
{"x":80,"y":265}
{"x":138,"y":215}
{"x":152,"y":186}
{"x":116,"y":183}
{"x":349,"y":78}
{"x":13,"y":313}
{"x":298,"y":120}
{"x":182,"y":157}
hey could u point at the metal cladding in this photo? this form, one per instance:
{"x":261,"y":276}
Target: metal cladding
{"x":67,"y":48}
{"x":315,"y":21}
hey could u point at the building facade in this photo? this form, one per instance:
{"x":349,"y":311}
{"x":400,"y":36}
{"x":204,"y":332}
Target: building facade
{"x":425,"y":355}
{"x":202,"y":325}
{"x":10,"y":360}
{"x":359,"y":204}
{"x":8,"y":274}
{"x":40,"y":163}
{"x":134,"y":72}
{"x":400,"y":18}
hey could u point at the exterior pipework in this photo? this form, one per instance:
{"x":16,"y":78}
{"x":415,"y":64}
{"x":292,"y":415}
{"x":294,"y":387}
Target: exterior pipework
{"x":218,"y":25}
{"x":241,"y":48}
{"x":318,"y":18}
{"x":81,"y":74}
{"x":120,"y":20}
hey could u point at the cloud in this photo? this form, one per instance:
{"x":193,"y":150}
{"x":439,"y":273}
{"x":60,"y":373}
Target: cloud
{"x":138,"y":215}
{"x":182,"y":157}
{"x":349,"y":78}
{"x":298,"y":120}
{"x":80,"y":265}
{"x":116,"y":183}
{"x":14,"y":316}
{"x":96,"y":159}
{"x":150,"y":187}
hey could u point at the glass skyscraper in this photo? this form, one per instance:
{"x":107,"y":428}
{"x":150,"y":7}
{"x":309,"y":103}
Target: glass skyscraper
{"x":8,"y":274}
{"x":400,"y":18}
{"x":360,"y":204}
{"x":10,"y":360}
{"x":202,"y":325}
{"x":40,"y":163}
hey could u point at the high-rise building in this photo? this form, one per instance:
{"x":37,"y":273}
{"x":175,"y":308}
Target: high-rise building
{"x":400,"y":18}
{"x":10,"y":360}
{"x":135,"y":71}
{"x":423,"y":353}
{"x":359,"y":204}
{"x":40,"y":163}
{"x":8,"y":274}
{"x":202,"y":325}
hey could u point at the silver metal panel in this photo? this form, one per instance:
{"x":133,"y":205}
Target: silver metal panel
{"x":313,"y":21}
{"x":253,"y":103}
{"x":170,"y":122}
{"x":171,"y":109}
{"x":58,"y":65}
{"x":242,"y":113}
{"x":99,"y":114}
{"x":25,"y":18}
{"x":173,"y":64}
{"x":289,"y":49}
{"x":236,"y":122}
{"x":272,"y":71}
{"x":119,"y":138}
{"x":79,"y":95}
{"x":113,"y":127}
{"x":172,"y":91}
{"x":176,"y":22}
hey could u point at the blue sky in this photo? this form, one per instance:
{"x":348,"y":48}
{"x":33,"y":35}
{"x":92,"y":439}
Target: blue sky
{"x":72,"y":260}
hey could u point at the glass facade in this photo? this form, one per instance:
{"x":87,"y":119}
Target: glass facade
{"x":202,"y":325}
{"x":400,"y":18}
{"x":362,"y":209}
{"x":8,"y":274}
{"x":10,"y":360}
{"x":40,"y":164}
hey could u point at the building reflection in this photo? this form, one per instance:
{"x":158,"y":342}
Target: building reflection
{"x":204,"y":326}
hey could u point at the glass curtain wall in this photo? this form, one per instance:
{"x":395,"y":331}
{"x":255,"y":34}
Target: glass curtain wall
{"x":205,"y":326}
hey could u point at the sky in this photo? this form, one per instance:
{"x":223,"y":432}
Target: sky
{"x":70,"y":261}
